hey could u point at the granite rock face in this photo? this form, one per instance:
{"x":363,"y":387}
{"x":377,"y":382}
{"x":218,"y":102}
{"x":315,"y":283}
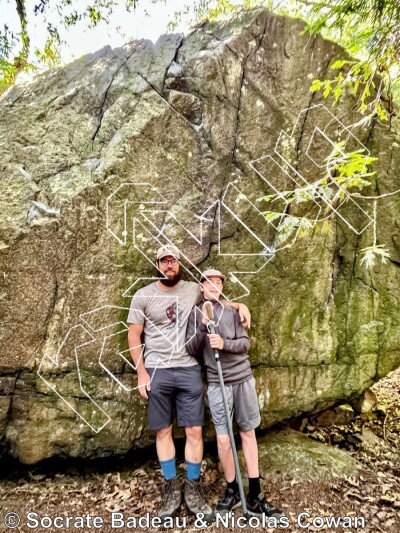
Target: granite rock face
{"x":306,"y":459}
{"x":171,"y":128}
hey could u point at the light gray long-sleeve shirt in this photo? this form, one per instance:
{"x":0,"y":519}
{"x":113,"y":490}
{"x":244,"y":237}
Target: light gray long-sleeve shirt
{"x":234,"y":357}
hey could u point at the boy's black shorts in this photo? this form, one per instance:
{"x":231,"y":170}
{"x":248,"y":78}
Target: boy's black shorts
{"x":180,"y":388}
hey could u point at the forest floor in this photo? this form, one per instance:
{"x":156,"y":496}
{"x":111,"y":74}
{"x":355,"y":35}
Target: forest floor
{"x":374,"y":493}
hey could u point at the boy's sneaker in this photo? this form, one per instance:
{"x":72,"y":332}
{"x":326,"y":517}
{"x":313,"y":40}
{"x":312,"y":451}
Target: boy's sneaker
{"x":260,"y":506}
{"x":172,"y":498}
{"x":195,"y":501}
{"x":230,"y":501}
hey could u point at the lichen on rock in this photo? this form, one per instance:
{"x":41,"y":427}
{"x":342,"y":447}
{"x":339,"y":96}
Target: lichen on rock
{"x":175,"y":124}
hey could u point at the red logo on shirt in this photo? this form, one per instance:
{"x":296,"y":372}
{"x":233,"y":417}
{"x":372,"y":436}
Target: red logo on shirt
{"x":171,"y":313}
{"x":174,"y":314}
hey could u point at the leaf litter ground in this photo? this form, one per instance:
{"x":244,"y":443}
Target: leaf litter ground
{"x":372,"y":438}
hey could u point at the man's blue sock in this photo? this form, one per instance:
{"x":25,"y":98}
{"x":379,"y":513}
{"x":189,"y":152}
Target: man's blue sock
{"x":168,"y":468}
{"x":193,"y":470}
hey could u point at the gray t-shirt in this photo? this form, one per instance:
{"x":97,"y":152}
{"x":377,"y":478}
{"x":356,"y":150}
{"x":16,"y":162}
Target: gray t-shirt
{"x":164,"y":315}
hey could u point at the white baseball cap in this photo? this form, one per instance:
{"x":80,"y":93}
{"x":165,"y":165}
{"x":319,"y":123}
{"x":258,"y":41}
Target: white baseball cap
{"x":212,"y":273}
{"x":168,"y":249}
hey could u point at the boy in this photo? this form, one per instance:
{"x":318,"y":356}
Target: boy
{"x":233,"y":344}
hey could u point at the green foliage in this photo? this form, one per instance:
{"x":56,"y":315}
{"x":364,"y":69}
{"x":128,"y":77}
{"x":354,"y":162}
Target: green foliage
{"x":70,"y":12}
{"x":347,"y":170}
{"x":344,"y":176}
{"x":50,"y":55}
{"x":8,"y":41}
{"x":359,"y":81}
{"x":344,"y":173}
{"x":372,"y":253}
{"x":368,"y":29}
{"x":8,"y":73}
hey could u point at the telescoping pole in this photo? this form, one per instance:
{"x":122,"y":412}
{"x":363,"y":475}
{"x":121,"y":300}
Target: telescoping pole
{"x":211,"y":326}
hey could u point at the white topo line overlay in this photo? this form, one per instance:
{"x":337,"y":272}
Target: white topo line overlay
{"x":143,"y":196}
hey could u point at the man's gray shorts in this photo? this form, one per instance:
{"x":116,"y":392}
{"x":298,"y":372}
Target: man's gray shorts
{"x":180,"y":389}
{"x":242,"y":400}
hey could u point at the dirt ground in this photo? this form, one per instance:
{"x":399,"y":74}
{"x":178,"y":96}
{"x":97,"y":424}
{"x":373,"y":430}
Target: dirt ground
{"x":134,"y":490}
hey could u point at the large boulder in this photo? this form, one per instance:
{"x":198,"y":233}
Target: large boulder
{"x":87,"y":151}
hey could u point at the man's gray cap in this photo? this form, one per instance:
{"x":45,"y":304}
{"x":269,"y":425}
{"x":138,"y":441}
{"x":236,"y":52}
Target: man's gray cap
{"x":168,"y":249}
{"x":212,"y":273}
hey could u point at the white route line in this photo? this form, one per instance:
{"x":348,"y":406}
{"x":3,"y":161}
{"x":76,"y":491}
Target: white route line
{"x":346,"y":193}
{"x":127,"y":202}
{"x":334,"y":119}
{"x":55,"y":362}
{"x":160,"y":243}
{"x":143,"y":220}
{"x":173,"y":345}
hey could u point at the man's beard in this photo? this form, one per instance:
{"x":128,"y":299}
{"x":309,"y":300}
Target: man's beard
{"x":169,"y":282}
